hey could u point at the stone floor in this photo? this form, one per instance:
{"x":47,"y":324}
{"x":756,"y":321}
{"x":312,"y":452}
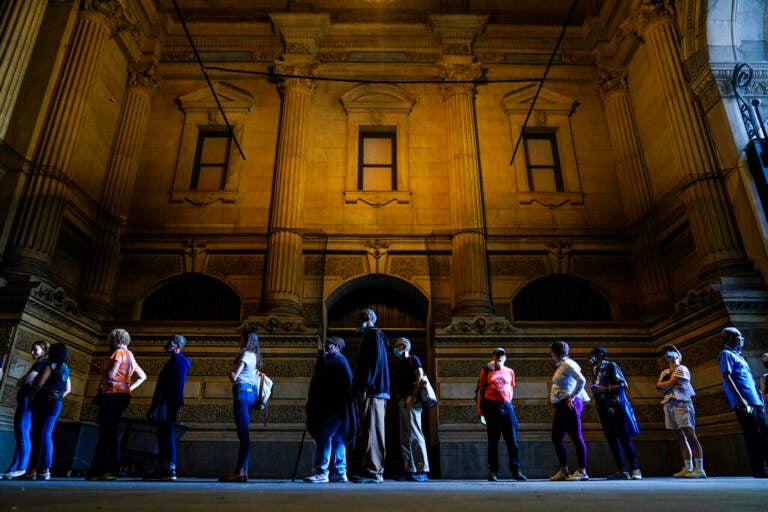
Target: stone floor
{"x":190,"y":495}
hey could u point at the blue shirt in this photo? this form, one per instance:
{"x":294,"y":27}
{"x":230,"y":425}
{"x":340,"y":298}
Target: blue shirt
{"x":732,"y":362}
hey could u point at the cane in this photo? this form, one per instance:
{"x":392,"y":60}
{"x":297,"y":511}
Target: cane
{"x":298,"y":456}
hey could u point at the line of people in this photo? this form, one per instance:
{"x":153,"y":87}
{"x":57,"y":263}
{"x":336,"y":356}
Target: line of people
{"x":346,"y":407}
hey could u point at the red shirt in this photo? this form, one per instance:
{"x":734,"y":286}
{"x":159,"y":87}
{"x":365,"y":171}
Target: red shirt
{"x":498,"y":384}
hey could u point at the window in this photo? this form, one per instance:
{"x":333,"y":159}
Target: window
{"x":211,"y":160}
{"x":561,"y":298}
{"x":192,"y":297}
{"x":542,"y":162}
{"x":377,"y":169}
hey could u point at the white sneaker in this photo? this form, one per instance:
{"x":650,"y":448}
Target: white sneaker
{"x":696,"y":473}
{"x":682,"y":472}
{"x":317,"y":478}
{"x":636,"y":474}
{"x":577,"y":476}
{"x":10,"y":475}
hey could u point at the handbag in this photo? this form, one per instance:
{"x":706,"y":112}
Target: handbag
{"x":631,"y":428}
{"x":262,"y":391}
{"x":427,"y":395}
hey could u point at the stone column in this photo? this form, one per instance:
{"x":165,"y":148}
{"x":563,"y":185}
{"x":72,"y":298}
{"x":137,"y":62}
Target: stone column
{"x":702,"y":191}
{"x":41,"y":210}
{"x":635,"y":188}
{"x":20,"y":22}
{"x":469,"y":263}
{"x":123,"y":163}
{"x":284,"y":272}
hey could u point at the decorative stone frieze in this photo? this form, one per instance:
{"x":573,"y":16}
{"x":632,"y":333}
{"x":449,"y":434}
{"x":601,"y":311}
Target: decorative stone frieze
{"x":272,"y":324}
{"x":477,"y":325}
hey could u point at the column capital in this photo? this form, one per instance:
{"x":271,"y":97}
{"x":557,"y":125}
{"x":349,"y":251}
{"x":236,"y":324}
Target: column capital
{"x":296,"y":76}
{"x":610,"y":81}
{"x":143,"y":76}
{"x":113,"y":12}
{"x":650,"y":13}
{"x":457,"y":72}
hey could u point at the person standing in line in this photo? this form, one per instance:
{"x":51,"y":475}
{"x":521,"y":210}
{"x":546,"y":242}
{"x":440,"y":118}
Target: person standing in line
{"x":167,"y":401}
{"x":745,"y":400}
{"x":50,"y":387}
{"x":412,"y":444}
{"x":331,"y":416}
{"x":244,"y":376}
{"x":370,"y":386}
{"x":679,"y":414}
{"x":115,"y":394}
{"x":494,"y":403}
{"x":764,"y":380}
{"x":609,"y":380}
{"x":22,"y":418}
{"x":568,"y":397}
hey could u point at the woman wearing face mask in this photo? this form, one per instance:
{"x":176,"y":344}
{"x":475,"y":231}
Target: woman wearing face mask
{"x":22,"y":419}
{"x":679,"y":414}
{"x":412,"y":444}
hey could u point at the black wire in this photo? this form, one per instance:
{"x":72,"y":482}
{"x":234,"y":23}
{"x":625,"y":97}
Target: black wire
{"x":269,"y":74}
{"x":207,"y":79}
{"x":543,"y":79}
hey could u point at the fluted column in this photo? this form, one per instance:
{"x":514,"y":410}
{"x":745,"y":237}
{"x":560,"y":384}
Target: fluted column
{"x":123,"y":163}
{"x":20,"y":22}
{"x":39,"y":217}
{"x":284,"y":275}
{"x":703,"y":192}
{"x":469,"y":264}
{"x":635,"y":188}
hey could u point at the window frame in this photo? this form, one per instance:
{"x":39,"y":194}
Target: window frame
{"x":364,"y":134}
{"x":556,"y":167}
{"x":215,"y":132}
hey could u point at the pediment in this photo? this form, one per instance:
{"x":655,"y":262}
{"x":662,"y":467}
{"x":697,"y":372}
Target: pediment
{"x":377,"y":96}
{"x":230,"y":97}
{"x":521,"y":98}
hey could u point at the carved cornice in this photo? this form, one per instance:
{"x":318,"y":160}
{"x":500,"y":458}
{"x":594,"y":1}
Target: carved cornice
{"x":458,"y":32}
{"x":117,"y":17}
{"x":55,"y":297}
{"x":477,"y":326}
{"x":277,"y":325}
{"x":649,"y":13}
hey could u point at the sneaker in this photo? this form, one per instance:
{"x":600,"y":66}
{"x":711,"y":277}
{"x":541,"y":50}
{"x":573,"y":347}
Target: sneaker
{"x":636,"y":474}
{"x":577,"y":476}
{"x":10,"y":475}
{"x":45,"y":475}
{"x":317,"y":478}
{"x":161,"y":475}
{"x":107,"y":477}
{"x":27,"y":475}
{"x":417,"y":477}
{"x":337,"y":478}
{"x":519,"y":477}
{"x":367,"y":479}
{"x":493,"y":477}
{"x":559,"y":476}
{"x":682,"y":472}
{"x":695,"y":473}
{"x":619,"y":475}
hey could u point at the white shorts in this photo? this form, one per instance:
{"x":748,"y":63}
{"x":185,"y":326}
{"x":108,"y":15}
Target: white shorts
{"x":679,"y":414}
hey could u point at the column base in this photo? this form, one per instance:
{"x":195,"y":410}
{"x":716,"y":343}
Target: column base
{"x":25,"y":265}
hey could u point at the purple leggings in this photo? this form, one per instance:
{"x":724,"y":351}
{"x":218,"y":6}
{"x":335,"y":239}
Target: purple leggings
{"x":568,"y":421}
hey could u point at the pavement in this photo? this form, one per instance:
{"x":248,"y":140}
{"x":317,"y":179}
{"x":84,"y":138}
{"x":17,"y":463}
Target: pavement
{"x":191,"y":495}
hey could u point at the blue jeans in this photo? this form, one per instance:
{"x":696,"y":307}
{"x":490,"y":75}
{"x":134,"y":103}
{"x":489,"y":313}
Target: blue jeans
{"x":45,"y":410}
{"x":22,"y":423}
{"x":166,"y":439}
{"x":243,"y":400}
{"x":330,"y":449}
{"x":107,"y":455}
{"x":501,"y":421}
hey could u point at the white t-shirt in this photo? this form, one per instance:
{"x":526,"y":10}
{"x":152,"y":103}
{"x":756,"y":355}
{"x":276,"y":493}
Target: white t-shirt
{"x":249,"y":374}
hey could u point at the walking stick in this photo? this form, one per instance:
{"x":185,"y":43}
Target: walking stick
{"x":298,"y":456}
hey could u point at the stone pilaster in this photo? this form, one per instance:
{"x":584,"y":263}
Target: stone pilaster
{"x":635,"y":188}
{"x":20,"y":22}
{"x":101,"y":271}
{"x":41,"y":210}
{"x":702,"y":188}
{"x":284,"y":273}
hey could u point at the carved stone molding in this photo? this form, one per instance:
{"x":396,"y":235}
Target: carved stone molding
{"x":377,"y":256}
{"x":272,"y":324}
{"x":55,"y":297}
{"x":477,"y":326}
{"x":611,"y":80}
{"x":144,"y":76}
{"x":117,"y":16}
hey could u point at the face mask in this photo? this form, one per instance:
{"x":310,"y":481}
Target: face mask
{"x":397,"y":353}
{"x":765,"y":363}
{"x":363,"y":327}
{"x":593,"y":360}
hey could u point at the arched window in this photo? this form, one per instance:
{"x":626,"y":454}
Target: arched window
{"x":192,"y":297}
{"x":560,"y":298}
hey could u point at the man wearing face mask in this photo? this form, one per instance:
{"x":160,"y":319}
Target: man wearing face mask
{"x":370,"y":385}
{"x":494,"y":402}
{"x":745,"y":399}
{"x":412,"y":444}
{"x":330,"y":414}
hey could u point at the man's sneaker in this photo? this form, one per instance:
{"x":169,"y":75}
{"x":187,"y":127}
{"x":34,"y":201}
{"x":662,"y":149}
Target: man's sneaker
{"x":682,"y":472}
{"x":337,"y":478}
{"x":695,"y":473}
{"x":366,"y":479}
{"x":636,"y":474}
{"x":416,"y":477}
{"x":161,"y":475}
{"x":577,"y":476}
{"x":317,"y":478}
{"x":519,"y":477}
{"x":45,"y":475}
{"x":619,"y":475}
{"x":559,"y":476}
{"x":493,"y":477}
{"x":10,"y":475}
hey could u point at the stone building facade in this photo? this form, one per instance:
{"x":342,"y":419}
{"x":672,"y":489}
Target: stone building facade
{"x":405,"y":155}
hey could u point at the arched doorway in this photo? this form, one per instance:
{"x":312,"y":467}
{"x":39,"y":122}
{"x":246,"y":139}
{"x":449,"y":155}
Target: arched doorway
{"x":402,"y":311}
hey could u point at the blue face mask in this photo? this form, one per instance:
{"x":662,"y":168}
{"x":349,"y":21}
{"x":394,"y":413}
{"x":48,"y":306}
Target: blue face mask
{"x":363,"y":327}
{"x":397,"y":353}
